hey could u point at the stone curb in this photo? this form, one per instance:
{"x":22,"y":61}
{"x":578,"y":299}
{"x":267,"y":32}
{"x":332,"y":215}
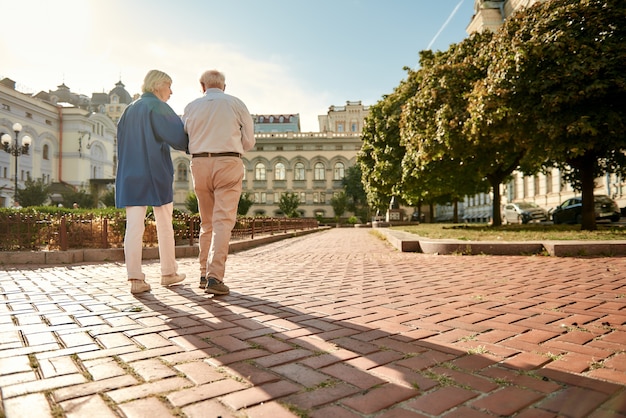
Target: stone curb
{"x":407,"y":242}
{"x":117,"y":254}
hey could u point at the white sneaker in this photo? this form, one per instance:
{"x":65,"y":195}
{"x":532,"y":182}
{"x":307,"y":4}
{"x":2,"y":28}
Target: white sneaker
{"x":172,"y":279}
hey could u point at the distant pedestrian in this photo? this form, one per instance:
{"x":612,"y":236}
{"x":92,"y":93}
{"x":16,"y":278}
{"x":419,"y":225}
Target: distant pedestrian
{"x":145,"y":174}
{"x":220,"y":130}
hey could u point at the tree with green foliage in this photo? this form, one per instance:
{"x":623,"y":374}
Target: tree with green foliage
{"x":381,"y":153}
{"x":288,"y":204}
{"x":108,"y":198}
{"x":34,"y":193}
{"x":83,"y":199}
{"x":191,"y":202}
{"x":245,"y":203}
{"x":557,"y":76}
{"x":339,"y":202}
{"x":355,"y":192}
{"x":442,"y":158}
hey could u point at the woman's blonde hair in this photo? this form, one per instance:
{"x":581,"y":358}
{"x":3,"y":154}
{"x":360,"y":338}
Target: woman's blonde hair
{"x":154,"y":79}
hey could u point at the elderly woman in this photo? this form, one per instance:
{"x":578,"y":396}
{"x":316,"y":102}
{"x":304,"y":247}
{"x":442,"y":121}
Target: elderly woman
{"x":145,"y":173}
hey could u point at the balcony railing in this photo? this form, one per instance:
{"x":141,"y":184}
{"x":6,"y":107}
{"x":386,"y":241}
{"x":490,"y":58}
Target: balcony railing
{"x":48,"y":232}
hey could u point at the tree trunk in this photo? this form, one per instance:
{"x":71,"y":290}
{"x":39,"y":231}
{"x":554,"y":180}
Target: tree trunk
{"x":496,"y":215}
{"x":455,"y":216}
{"x":586,"y":166}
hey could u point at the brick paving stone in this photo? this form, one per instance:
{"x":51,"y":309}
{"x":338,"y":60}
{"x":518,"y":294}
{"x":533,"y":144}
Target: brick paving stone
{"x":114,"y":340}
{"x":526,"y":361}
{"x":507,"y":401}
{"x":354,"y":376}
{"x":88,"y":406}
{"x":465,"y":412}
{"x":322,"y":396}
{"x":152,"y":369}
{"x":271,"y":410}
{"x":91,"y":388}
{"x":103,"y":368}
{"x":531,"y":380}
{"x":334,"y":411}
{"x":31,"y":405}
{"x":200,"y":372}
{"x":148,"y":389}
{"x":259,"y":394}
{"x":282,"y":358}
{"x":146,"y":408}
{"x":250,"y":373}
{"x":379,"y":398}
{"x":470,"y":381}
{"x":303,"y":375}
{"x":199,"y":410}
{"x":191,"y":394}
{"x":441,"y":400}
{"x":15,"y":365}
{"x":57,"y":366}
{"x":15,"y":378}
{"x":149,"y":341}
{"x":562,"y":403}
{"x":375,"y":359}
{"x":229,"y":343}
{"x":42,"y":385}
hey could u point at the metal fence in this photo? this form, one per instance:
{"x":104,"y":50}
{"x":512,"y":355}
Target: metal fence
{"x":41,"y":231}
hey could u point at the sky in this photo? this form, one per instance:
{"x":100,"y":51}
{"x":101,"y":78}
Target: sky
{"x":278,"y":56}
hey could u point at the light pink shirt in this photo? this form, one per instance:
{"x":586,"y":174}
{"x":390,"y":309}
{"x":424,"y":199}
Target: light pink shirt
{"x":218,"y":122}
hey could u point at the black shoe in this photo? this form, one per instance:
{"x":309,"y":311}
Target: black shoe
{"x":202,"y":282}
{"x":216,"y":287}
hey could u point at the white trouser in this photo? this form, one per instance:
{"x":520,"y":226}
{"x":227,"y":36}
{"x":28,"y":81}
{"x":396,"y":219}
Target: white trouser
{"x":133,"y":240}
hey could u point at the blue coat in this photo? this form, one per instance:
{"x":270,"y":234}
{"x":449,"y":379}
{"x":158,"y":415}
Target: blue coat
{"x":145,"y":132}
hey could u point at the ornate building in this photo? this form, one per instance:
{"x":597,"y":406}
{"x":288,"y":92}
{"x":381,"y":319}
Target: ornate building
{"x":310,"y":164}
{"x":73,"y":139}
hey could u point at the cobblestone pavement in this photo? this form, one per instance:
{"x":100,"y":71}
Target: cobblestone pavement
{"x":332,"y":324}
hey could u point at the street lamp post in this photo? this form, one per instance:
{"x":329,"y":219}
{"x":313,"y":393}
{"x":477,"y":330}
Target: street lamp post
{"x":16,"y":150}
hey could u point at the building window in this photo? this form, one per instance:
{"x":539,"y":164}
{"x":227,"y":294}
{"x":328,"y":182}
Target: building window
{"x":259,"y":171}
{"x":46,"y":152}
{"x":322,"y":198}
{"x":181,"y":172}
{"x":279,"y":171}
{"x":549,"y":182}
{"x":339,"y":171}
{"x":260,"y":197}
{"x":261,"y":119}
{"x":340,"y":127}
{"x":319,"y":172}
{"x":303,"y":197}
{"x":353,"y":127}
{"x":299,"y":171}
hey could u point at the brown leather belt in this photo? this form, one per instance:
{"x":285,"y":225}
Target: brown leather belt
{"x":216,"y":154}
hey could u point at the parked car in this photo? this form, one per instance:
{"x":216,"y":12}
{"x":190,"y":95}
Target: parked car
{"x":523,"y":213}
{"x":570,"y":211}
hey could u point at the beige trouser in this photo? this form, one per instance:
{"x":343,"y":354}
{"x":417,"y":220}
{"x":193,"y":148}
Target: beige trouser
{"x":217,"y":183}
{"x":133,"y":240}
